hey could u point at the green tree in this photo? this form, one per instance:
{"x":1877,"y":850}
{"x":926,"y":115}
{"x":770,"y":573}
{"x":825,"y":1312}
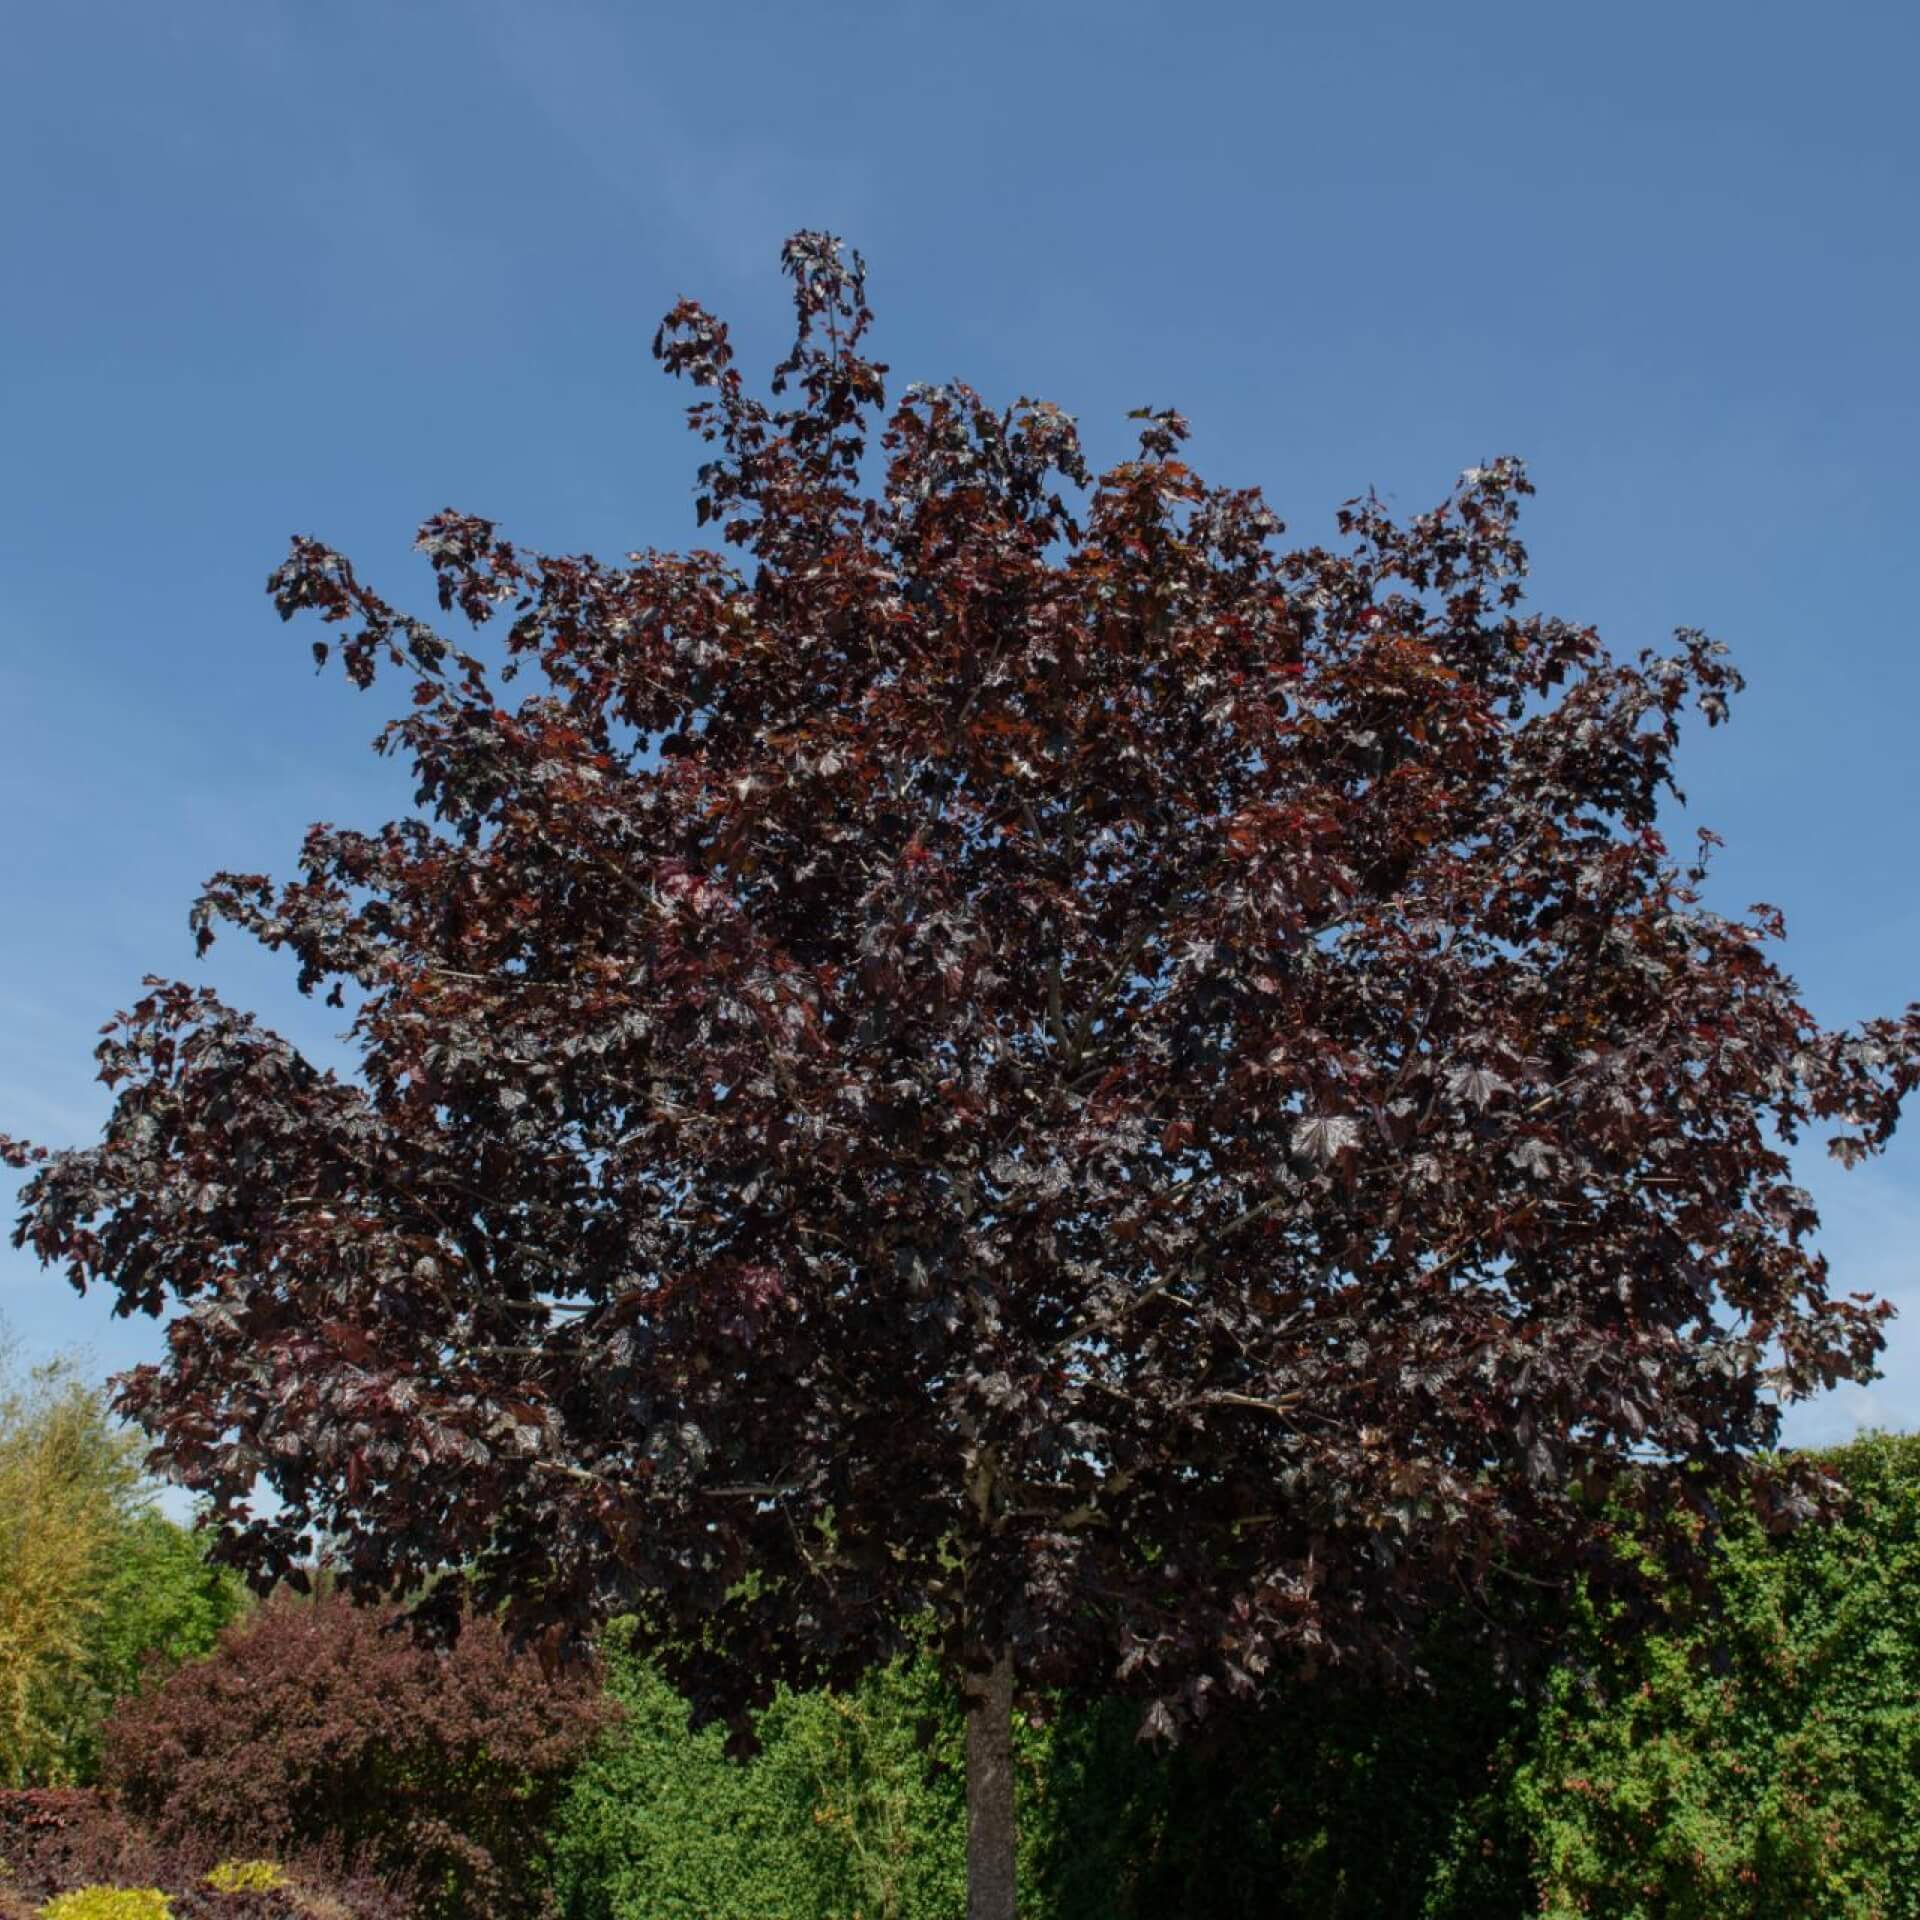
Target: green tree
{"x":68,"y":1482}
{"x":95,"y":1582}
{"x":161,"y":1604}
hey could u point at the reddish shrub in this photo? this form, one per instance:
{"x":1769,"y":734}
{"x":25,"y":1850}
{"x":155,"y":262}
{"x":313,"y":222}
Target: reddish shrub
{"x":55,"y":1841}
{"x":55,"y":1838}
{"x":318,"y":1724}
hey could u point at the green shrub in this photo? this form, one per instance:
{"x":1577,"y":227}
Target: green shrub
{"x":873,"y":1787}
{"x":841,"y":1812}
{"x":108,"y":1903}
{"x":247,"y":1876}
{"x":658,"y":1823}
{"x":1333,"y":1804}
{"x":1762,"y":1760}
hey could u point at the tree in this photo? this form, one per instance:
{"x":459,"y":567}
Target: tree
{"x":161,"y":1603}
{"x":68,"y":1482}
{"x":97,"y":1587}
{"x":1005,"y":1052}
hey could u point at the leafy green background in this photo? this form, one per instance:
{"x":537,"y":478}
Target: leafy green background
{"x":1758,"y":1756}
{"x":1753,"y":1758}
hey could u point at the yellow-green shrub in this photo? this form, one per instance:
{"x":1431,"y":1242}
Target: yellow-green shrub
{"x":108,"y":1903}
{"x":98,"y":1589}
{"x":247,"y":1876}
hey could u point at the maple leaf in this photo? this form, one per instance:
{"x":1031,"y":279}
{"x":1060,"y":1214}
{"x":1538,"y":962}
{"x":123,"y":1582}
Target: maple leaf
{"x":1322,"y":1138}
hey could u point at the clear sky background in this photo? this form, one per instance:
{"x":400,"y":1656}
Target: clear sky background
{"x":271,"y":266}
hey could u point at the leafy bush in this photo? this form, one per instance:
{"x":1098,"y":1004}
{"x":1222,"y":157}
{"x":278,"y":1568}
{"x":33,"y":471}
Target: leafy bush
{"x":247,"y":1876}
{"x":109,"y":1903}
{"x":659,"y":1822}
{"x":1334,"y":1802}
{"x":56,"y":1843}
{"x":317,"y":1724}
{"x":872,"y":1785}
{"x":54,"y":1839}
{"x":854,"y":1804}
{"x":1762,"y":1760}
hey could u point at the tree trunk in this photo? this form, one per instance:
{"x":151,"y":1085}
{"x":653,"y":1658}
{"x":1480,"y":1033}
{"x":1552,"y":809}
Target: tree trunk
{"x":990,"y":1822}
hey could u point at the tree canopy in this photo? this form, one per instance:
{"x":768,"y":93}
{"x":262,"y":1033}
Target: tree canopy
{"x":1002,"y":1049}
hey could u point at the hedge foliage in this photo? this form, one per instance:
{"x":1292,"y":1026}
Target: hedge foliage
{"x":855,"y":1805}
{"x":1755,"y":1760}
{"x":1762,"y":1761}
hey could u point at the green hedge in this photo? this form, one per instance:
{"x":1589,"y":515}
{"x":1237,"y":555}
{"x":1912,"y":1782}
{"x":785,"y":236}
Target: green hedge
{"x":1760,"y":1761}
{"x":1333,"y":1804}
{"x":1764,"y":1762}
{"x":854,"y":1806}
{"x":843,"y":1812}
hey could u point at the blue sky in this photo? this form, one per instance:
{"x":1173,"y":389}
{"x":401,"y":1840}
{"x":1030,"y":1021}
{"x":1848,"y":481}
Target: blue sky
{"x":274,"y":267}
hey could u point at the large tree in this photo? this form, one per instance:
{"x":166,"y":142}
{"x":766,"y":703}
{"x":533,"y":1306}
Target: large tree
{"x":1001,"y":1051}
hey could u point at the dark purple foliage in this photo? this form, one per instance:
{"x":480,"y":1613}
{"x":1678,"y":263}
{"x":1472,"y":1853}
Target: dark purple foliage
{"x":1009,"y":1050}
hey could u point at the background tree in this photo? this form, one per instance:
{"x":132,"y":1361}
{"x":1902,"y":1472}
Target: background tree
{"x":1009,"y":1053}
{"x":160,"y":1603}
{"x":68,"y":1481}
{"x":98,"y":1588}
